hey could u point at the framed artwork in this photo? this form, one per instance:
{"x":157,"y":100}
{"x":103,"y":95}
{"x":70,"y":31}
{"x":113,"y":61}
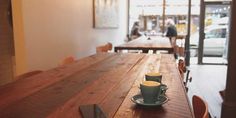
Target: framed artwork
{"x":106,"y":14}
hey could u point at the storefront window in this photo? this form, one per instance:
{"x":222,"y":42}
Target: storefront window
{"x":152,"y":14}
{"x":177,"y":10}
{"x":147,"y":13}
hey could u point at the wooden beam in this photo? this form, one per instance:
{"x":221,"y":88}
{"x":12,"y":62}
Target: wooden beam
{"x":229,"y":104}
{"x":187,"y":40}
{"x":201,"y":32}
{"x":163,"y":16}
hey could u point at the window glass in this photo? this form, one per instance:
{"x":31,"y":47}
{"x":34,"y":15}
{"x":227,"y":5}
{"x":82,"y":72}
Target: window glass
{"x":177,"y":10}
{"x":216,"y":0}
{"x":217,"y":33}
{"x":147,"y":13}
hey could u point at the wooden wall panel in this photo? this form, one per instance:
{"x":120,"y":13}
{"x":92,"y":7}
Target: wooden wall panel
{"x":6,"y":44}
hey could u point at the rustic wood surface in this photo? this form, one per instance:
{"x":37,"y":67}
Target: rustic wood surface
{"x":109,"y":80}
{"x":178,"y":105}
{"x":25,"y":87}
{"x":156,"y":43}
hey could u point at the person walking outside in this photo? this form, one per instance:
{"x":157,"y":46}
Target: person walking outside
{"x":135,"y":31}
{"x":172,"y":34}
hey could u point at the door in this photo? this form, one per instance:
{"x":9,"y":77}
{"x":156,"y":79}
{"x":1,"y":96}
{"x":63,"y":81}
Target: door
{"x":213,"y":41}
{"x":6,"y":42}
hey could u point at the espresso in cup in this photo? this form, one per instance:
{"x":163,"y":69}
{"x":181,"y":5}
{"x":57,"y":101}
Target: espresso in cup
{"x":153,"y":76}
{"x":150,"y":83}
{"x":150,"y":91}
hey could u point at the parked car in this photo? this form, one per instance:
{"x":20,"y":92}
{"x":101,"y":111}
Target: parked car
{"x":214,"y":42}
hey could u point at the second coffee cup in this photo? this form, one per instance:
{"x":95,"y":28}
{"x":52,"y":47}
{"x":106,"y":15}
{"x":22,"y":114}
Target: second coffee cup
{"x":150,"y":91}
{"x":153,"y":76}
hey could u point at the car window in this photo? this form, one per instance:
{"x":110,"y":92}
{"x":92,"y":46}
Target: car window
{"x":216,"y":33}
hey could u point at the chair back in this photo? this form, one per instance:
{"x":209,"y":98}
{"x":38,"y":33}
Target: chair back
{"x":109,"y":46}
{"x":29,"y":74}
{"x":68,"y":60}
{"x":101,"y":49}
{"x":104,"y":48}
{"x":222,"y":94}
{"x":182,"y":67}
{"x":200,"y":107}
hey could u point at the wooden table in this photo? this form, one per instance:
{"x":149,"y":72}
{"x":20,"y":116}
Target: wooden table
{"x":106,"y":79}
{"x":155,"y":43}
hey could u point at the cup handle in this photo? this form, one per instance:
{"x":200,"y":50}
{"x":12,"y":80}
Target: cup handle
{"x":163,"y":90}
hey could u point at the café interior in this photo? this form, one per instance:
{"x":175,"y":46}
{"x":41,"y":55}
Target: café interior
{"x":117,"y":58}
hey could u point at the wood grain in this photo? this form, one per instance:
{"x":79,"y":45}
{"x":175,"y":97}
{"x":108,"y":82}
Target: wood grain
{"x":99,"y":90}
{"x":15,"y":91}
{"x":109,"y":80}
{"x":6,"y":45}
{"x":177,"y":106}
{"x":156,"y":43}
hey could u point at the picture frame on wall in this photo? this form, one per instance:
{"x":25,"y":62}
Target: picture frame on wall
{"x":105,"y":14}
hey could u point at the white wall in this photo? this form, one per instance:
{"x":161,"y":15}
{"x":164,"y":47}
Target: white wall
{"x":55,"y":29}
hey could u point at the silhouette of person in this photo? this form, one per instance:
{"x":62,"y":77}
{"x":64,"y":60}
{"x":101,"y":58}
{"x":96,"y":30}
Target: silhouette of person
{"x":135,"y":30}
{"x":172,"y":34}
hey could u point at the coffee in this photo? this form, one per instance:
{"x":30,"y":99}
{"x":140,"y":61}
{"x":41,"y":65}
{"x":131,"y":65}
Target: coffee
{"x":150,"y":91}
{"x":154,"y":74}
{"x":150,"y":83}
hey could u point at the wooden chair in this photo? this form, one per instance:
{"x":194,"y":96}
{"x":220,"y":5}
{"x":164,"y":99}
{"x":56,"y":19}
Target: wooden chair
{"x":181,"y":67}
{"x":180,"y":51}
{"x":109,"y":46}
{"x":68,"y":60}
{"x":29,"y":74}
{"x":104,"y":48}
{"x":222,"y":93}
{"x":200,"y":107}
{"x":173,"y":44}
{"x":101,"y":49}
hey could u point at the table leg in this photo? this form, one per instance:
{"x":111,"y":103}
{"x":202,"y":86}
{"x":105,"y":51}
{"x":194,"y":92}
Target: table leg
{"x":145,"y":50}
